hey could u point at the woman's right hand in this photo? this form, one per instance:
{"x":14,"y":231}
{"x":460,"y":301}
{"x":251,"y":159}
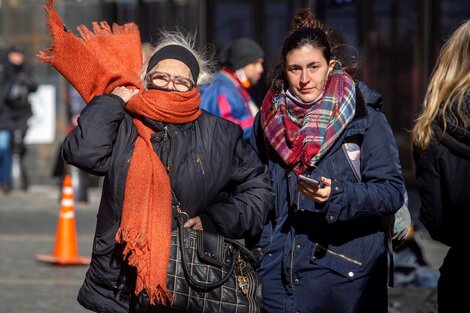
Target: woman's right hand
{"x":125,"y":93}
{"x":194,"y":223}
{"x":319,"y":195}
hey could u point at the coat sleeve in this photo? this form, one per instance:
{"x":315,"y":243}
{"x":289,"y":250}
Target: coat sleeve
{"x":89,"y":146}
{"x":381,"y":191}
{"x":428,"y":176}
{"x":241,"y":212}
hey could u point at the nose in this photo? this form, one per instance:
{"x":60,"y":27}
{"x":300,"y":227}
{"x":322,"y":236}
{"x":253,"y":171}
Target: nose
{"x":304,"y":77}
{"x":171,"y":85}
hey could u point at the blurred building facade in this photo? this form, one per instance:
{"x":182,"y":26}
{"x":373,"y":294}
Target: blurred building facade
{"x":397,"y":43}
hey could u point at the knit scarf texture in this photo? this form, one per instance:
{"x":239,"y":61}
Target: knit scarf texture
{"x":302,"y":133}
{"x":95,"y":64}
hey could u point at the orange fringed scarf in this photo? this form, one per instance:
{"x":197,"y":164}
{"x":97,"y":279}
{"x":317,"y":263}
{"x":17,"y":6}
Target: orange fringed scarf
{"x":95,"y":64}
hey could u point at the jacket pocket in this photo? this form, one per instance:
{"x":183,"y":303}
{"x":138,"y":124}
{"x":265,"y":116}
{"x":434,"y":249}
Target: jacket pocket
{"x":347,"y":266}
{"x":104,"y":243}
{"x":201,"y":166}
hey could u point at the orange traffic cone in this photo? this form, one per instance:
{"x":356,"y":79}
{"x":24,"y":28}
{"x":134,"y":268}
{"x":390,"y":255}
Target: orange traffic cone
{"x":65,"y":248}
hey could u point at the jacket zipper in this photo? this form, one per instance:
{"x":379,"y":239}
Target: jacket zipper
{"x":199,"y":160}
{"x":340,"y":255}
{"x":165,"y":134}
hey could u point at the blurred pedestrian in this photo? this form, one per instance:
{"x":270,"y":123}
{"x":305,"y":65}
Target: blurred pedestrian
{"x":441,"y":138}
{"x":147,"y":50}
{"x":2,"y":52}
{"x":75,"y":105}
{"x":228,"y":94}
{"x":148,"y":137}
{"x":5,"y":151}
{"x":324,"y":248}
{"x":81,"y":179}
{"x":16,"y":84}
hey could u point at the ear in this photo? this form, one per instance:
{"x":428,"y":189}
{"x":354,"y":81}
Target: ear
{"x":331,"y":65}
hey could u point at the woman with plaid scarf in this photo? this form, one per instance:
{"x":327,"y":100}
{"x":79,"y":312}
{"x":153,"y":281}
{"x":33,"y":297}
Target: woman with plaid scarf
{"x":324,"y":247}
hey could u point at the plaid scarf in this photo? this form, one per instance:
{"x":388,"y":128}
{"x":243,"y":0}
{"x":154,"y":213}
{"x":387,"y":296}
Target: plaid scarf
{"x":302,"y":133}
{"x":95,"y":64}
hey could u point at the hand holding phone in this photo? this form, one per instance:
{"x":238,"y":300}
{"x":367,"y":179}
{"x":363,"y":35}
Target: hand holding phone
{"x":310,"y":181}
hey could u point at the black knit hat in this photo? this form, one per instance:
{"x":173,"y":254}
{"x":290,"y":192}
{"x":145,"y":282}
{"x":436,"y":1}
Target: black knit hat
{"x":240,"y":52}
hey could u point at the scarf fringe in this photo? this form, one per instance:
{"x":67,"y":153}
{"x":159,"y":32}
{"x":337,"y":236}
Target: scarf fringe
{"x":160,"y":294}
{"x":136,"y":244}
{"x":136,"y":251}
{"x":104,"y":29}
{"x":45,"y":56}
{"x":53,"y":21}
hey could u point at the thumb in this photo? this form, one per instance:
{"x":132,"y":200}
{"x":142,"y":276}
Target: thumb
{"x":325,"y":181}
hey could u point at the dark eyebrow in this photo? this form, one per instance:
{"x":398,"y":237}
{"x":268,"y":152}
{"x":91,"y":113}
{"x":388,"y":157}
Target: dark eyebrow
{"x":308,"y":65}
{"x":313,"y":63}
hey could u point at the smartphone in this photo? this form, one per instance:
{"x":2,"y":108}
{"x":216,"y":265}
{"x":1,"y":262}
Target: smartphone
{"x":311,"y":181}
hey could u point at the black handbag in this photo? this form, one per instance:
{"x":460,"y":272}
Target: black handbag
{"x":208,"y":273}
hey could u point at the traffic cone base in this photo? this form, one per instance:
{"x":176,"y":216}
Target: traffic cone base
{"x":62,"y":261}
{"x":65,"y":248}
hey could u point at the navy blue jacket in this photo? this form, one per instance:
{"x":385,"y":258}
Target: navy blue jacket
{"x":213,"y":173}
{"x":332,"y":257}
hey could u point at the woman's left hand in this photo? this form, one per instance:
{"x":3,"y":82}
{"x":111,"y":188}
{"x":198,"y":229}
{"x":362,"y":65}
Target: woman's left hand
{"x":320,"y":195}
{"x":194,"y":223}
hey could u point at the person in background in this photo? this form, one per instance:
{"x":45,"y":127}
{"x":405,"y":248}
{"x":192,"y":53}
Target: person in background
{"x":16,"y":84}
{"x":441,"y":150}
{"x":324,"y":246}
{"x":227,"y":96}
{"x":149,"y":143}
{"x":81,"y":180}
{"x":5,"y":149}
{"x":75,"y":105}
{"x":147,"y":50}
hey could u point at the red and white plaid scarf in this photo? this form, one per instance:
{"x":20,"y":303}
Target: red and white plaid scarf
{"x":301,"y":134}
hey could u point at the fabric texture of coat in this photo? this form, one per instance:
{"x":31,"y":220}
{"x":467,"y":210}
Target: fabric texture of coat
{"x":443,"y":176}
{"x":332,"y":257}
{"x":213,"y":173}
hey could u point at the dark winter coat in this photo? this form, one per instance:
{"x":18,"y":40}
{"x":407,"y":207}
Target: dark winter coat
{"x":213,"y":173}
{"x":443,"y":175}
{"x":332,"y":257}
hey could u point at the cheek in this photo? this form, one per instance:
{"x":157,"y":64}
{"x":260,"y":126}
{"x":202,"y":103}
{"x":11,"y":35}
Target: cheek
{"x":292,"y":80}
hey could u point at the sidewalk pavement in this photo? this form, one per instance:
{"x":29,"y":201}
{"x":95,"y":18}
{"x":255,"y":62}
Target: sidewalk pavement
{"x":28,"y":222}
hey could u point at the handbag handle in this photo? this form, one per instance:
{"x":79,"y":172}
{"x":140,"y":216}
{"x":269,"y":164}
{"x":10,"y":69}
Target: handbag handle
{"x":187,"y":272}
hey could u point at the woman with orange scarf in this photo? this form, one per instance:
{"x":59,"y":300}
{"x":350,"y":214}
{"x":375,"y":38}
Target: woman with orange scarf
{"x":148,"y":143}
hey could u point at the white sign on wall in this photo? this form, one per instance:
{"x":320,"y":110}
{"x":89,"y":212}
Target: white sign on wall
{"x":42,"y":123}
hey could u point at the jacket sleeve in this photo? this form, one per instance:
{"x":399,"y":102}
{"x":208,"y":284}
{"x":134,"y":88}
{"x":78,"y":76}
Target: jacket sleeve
{"x":429,"y":181}
{"x":241,"y":212}
{"x":89,"y":146}
{"x":382,"y":189}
